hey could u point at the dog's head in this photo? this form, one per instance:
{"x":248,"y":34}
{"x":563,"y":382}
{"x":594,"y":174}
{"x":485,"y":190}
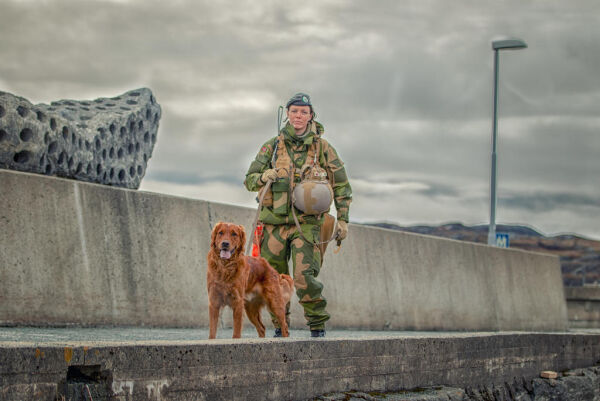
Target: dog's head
{"x":228,"y":240}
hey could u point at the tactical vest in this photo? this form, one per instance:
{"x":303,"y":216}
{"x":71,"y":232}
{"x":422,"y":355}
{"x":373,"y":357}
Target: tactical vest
{"x":312,"y":194}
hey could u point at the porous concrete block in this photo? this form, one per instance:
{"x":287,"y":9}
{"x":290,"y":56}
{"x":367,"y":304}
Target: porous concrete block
{"x":106,"y":141}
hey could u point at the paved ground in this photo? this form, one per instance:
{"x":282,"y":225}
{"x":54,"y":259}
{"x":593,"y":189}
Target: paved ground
{"x":36,"y":335}
{"x":26,"y":336}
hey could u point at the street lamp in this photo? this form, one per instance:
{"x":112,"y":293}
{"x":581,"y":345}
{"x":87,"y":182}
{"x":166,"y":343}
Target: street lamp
{"x":497,"y":45}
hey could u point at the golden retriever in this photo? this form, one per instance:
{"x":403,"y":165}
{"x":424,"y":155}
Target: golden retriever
{"x":243,"y":282}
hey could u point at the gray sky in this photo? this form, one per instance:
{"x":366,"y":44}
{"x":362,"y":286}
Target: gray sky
{"x":404,"y":89}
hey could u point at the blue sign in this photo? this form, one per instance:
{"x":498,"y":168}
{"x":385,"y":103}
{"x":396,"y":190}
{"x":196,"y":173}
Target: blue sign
{"x":502,"y":240}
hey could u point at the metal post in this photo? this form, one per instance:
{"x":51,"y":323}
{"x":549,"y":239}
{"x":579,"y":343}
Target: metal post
{"x":497,"y":45}
{"x":492,"y":227}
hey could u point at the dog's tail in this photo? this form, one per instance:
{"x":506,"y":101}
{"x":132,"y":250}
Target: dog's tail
{"x":287,"y":287}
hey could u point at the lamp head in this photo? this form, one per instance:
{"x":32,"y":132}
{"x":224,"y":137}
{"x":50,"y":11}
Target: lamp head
{"x":508,"y":44}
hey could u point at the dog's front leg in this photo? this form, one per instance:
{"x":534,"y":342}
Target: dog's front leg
{"x":213,"y":316}
{"x":238,"y":316}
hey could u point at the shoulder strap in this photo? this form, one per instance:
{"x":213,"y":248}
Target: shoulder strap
{"x":282,"y":159}
{"x":319,"y":150}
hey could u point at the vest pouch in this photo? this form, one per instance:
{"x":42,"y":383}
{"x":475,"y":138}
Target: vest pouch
{"x":280,"y":189}
{"x":268,"y":198}
{"x":326,"y":232}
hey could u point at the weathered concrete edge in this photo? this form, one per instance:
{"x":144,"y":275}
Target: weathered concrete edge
{"x":294,"y":369}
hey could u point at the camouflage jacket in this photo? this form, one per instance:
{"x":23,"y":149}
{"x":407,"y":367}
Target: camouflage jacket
{"x":297,"y":148}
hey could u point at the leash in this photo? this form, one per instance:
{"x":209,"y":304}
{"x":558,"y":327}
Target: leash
{"x":260,"y":202}
{"x":267,"y":184}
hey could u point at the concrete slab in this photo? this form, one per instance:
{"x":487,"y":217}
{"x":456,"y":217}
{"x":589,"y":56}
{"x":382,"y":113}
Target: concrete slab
{"x":583,"y":306}
{"x":296,"y":368}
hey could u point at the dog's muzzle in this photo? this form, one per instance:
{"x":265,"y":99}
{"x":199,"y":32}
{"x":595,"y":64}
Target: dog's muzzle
{"x":226,"y":251}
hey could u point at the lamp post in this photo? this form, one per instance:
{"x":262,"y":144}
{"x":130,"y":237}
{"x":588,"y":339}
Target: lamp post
{"x":497,"y":45}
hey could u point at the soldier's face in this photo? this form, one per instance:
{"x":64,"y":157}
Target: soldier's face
{"x":299,"y":117}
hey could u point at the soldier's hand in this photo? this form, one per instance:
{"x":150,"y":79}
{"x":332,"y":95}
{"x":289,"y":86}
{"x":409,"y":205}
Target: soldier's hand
{"x":269,"y":174}
{"x":342,"y":230}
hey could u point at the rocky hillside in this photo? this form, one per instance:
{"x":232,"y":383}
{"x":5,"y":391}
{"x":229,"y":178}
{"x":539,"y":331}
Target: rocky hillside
{"x":579,"y":257}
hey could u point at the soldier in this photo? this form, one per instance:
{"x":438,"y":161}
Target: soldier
{"x":280,"y":161}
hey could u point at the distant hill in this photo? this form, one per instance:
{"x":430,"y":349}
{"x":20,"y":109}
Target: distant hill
{"x":579,"y":257}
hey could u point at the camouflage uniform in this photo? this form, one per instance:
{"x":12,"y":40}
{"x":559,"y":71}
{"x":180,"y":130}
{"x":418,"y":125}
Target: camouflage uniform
{"x":281,"y":239}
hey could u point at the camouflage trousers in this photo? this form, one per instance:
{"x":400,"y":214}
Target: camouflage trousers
{"x":281,"y":243}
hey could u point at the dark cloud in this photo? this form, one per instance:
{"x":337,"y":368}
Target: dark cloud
{"x":440,"y":190}
{"x":555,"y":152}
{"x":547,"y":202}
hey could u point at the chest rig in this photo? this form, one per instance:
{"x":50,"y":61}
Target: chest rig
{"x":307,"y":189}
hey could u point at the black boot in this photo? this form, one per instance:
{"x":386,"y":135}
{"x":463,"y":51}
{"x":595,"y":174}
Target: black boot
{"x":277,"y":332}
{"x":317,"y":333}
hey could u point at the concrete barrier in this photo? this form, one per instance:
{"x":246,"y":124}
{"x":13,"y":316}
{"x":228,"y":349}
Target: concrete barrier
{"x":86,"y":254}
{"x":583,"y":306}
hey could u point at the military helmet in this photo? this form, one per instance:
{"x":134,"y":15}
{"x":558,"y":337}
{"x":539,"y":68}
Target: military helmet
{"x":312,"y":197}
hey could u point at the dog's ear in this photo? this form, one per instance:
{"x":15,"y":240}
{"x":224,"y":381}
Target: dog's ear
{"x":213,"y":235}
{"x":242,"y":233}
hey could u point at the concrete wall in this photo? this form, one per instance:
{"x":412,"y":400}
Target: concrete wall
{"x":583,"y":306}
{"x":78,"y":253}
